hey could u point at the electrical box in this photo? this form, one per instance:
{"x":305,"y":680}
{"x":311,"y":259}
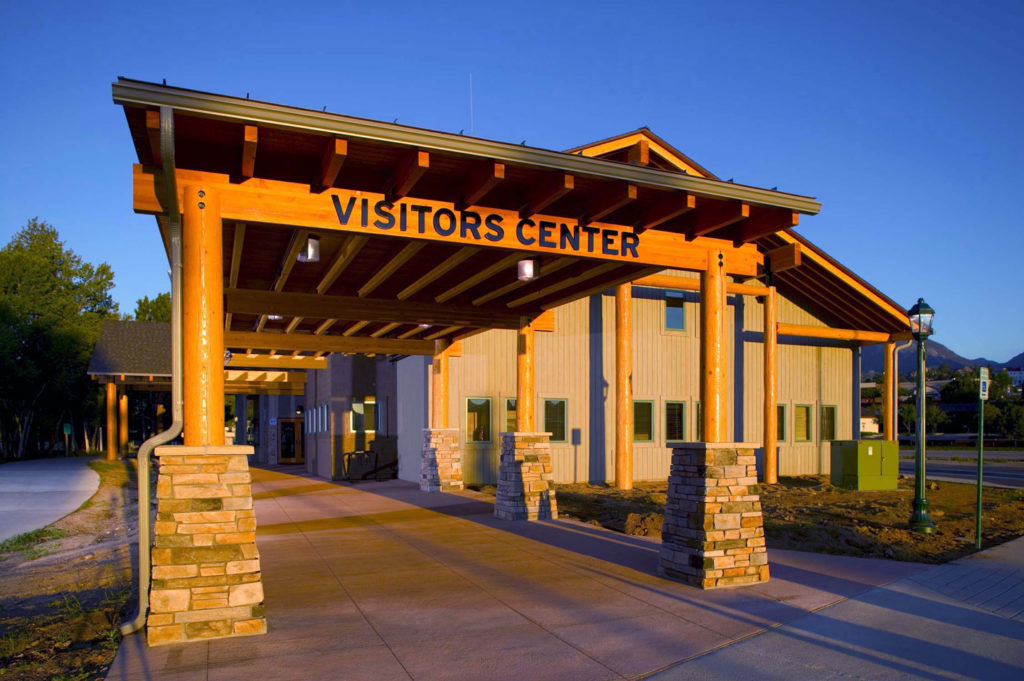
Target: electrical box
{"x":865,"y":464}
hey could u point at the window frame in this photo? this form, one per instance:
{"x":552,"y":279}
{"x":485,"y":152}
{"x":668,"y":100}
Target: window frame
{"x":565,"y":416}
{"x":676,"y":295}
{"x":669,"y":440}
{"x":654,"y":429}
{"x":780,"y":422}
{"x":810,"y":423}
{"x":490,"y":421}
{"x":516,"y":411}
{"x":352,"y":415}
{"x":835,"y":422}
{"x":698,"y":429}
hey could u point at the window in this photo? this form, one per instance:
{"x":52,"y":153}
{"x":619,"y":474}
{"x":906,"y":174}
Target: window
{"x":780,"y":422}
{"x":478,"y":419}
{"x":510,"y":414}
{"x":802,"y":423}
{"x":698,"y":427}
{"x":675,"y":421}
{"x":643,"y":421}
{"x":554,"y":419}
{"x":675,"y":318}
{"x":363,"y":417}
{"x":827,"y":423}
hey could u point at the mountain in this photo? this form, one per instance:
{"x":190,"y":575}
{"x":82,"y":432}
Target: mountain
{"x":872,"y":361}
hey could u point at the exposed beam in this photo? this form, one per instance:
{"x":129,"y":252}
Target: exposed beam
{"x":153,"y":133}
{"x":249,"y":150}
{"x":414,"y":331}
{"x":408,"y":173}
{"x":712,"y":217}
{"x":325,"y":326}
{"x":563,"y":284}
{"x":349,"y":308}
{"x":264,"y":376}
{"x":639,"y":153}
{"x":346,"y":254}
{"x":546,"y":194}
{"x":442,"y":333}
{"x":334,"y":156}
{"x":784,"y":257}
{"x":764,"y":223}
{"x":293,"y":324}
{"x":300,"y":341}
{"x":597,"y":288}
{"x":480,"y":182}
{"x":609,"y":203}
{"x":833,"y":333}
{"x":665,"y":210}
{"x":382,"y":275}
{"x":251,"y":361}
{"x":288,"y":262}
{"x":481,"y":276}
{"x":236,"y":263}
{"x":439,"y":271}
{"x":385,"y":330}
{"x":544,"y":271}
{"x":681,"y":284}
{"x":354,"y":329}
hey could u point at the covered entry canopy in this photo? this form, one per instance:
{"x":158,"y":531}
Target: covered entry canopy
{"x":420,"y":232}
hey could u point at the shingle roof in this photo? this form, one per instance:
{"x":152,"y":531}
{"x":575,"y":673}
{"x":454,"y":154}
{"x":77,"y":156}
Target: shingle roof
{"x":132,"y":348}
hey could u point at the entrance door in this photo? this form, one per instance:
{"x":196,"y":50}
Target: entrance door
{"x":289,"y":435}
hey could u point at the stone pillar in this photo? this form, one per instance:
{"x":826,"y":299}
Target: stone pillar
{"x":441,"y":464}
{"x":206,"y":569}
{"x":526,"y":489}
{"x":714,"y":533}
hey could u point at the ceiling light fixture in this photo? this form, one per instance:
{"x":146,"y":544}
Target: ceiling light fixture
{"x":311,"y":253}
{"x":526,"y":270}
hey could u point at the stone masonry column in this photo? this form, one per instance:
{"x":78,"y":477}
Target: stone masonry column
{"x":206,"y":569}
{"x":526,"y":489}
{"x":441,"y":463}
{"x":713,"y":534}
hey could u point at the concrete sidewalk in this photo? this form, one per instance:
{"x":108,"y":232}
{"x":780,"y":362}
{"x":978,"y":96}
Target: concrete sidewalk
{"x":381,"y":581}
{"x":38,"y":492}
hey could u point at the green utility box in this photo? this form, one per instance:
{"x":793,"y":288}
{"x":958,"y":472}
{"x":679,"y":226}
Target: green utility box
{"x":865,"y":464}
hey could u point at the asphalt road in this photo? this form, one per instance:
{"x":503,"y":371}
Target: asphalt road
{"x":1001,"y":474}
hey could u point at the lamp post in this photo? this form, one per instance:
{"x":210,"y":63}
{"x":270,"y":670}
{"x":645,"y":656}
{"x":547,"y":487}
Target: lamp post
{"x":921,"y":327}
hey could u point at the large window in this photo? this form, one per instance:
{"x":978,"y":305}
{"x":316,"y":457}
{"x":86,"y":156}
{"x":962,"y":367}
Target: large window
{"x":510,"y":414}
{"x":802,"y":423}
{"x":554,"y":419}
{"x":643,"y":421}
{"x":675,"y":421}
{"x":675,"y":317}
{"x":363,"y":418}
{"x":827,"y":423}
{"x":780,"y":422}
{"x":478,"y":419}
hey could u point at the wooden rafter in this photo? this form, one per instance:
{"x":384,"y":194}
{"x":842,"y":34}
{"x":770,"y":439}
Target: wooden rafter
{"x":408,"y":173}
{"x":334,"y":157}
{"x":639,"y":153}
{"x":300,"y":341}
{"x":346,"y":254}
{"x":355,"y":328}
{"x":767,"y":222}
{"x":414,"y":331}
{"x":716,"y":216}
{"x":564,"y":284}
{"x":246,"y":361}
{"x":236,"y":264}
{"x":610,"y":203}
{"x":325,"y":326}
{"x":290,"y":257}
{"x":481,"y":276}
{"x":478,"y":184}
{"x":442,"y":333}
{"x":543,"y":271}
{"x":546,"y":194}
{"x":385,"y":330}
{"x":293,"y":324}
{"x":603,"y":286}
{"x":264,"y":376}
{"x":349,"y":308}
{"x":153,"y":133}
{"x":382,"y":275}
{"x":249,"y":150}
{"x":443,"y":268}
{"x":665,"y":210}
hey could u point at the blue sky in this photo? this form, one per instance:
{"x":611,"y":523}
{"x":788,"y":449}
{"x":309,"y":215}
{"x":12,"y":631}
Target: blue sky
{"x":903,"y":118}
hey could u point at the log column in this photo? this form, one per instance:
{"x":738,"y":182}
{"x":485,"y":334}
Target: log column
{"x":203,"y":317}
{"x":111,"y":401}
{"x":624,"y":386}
{"x":122,"y":422}
{"x":439,"y":386}
{"x":441,"y":458}
{"x":771,"y":381}
{"x":712,"y":348}
{"x":888,"y":399}
{"x":524,"y":376}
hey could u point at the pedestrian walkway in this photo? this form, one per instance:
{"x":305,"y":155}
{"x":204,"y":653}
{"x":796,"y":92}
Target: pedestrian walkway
{"x":38,"y":492}
{"x":382,"y":581}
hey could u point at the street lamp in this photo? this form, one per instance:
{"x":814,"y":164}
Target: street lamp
{"x":921,"y":327}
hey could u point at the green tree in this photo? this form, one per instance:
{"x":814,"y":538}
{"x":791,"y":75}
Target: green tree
{"x":1010,"y":421}
{"x":51,"y":306}
{"x":156,"y":310}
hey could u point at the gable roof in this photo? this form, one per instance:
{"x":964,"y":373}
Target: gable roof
{"x":132,"y":349}
{"x":663,"y":155}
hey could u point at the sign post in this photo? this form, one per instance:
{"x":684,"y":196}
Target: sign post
{"x":982,"y":396}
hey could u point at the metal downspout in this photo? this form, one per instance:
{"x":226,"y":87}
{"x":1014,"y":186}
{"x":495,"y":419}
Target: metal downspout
{"x":177,"y":421}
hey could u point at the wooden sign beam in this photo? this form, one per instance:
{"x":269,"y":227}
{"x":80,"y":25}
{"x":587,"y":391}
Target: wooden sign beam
{"x":310,"y":343}
{"x":349,"y":308}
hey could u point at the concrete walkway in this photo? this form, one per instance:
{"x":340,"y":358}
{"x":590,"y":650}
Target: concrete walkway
{"x":38,"y":492}
{"x":380,"y":581}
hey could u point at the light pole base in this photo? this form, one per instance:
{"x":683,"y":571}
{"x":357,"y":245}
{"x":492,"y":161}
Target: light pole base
{"x":920,"y":521}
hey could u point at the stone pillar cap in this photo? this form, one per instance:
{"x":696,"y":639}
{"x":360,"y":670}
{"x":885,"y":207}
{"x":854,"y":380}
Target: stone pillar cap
{"x":203,"y":450}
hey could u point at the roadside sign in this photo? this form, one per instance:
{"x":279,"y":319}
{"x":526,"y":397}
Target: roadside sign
{"x":67,"y":429}
{"x":983,"y":383}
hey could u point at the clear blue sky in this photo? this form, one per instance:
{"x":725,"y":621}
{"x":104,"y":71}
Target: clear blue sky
{"x":903,"y":118}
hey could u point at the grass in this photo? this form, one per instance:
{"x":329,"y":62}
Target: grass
{"x":28,"y":542}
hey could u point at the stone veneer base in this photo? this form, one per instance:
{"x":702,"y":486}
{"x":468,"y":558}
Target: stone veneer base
{"x":206,"y":569}
{"x":713,"y":534}
{"x":526,"y":489}
{"x":441,"y":463}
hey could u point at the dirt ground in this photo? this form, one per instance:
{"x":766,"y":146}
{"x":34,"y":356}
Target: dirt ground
{"x":807,"y":513}
{"x":64,"y":592}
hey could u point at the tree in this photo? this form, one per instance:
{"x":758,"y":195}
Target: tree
{"x":1010,"y":421}
{"x":51,"y":306}
{"x":156,"y":310}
